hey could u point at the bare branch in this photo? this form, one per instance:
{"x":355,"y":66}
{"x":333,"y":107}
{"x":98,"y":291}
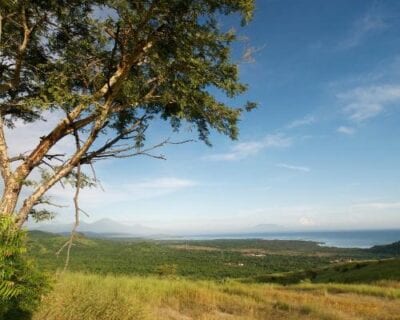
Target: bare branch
{"x":76,"y":202}
{"x":49,"y":203}
{"x":121,"y":153}
{"x":109,"y":144}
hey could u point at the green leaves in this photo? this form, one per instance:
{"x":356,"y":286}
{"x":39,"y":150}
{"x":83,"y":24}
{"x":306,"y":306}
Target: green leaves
{"x":21,"y":285}
{"x":176,"y":53}
{"x":11,"y":246}
{"x":8,"y":290}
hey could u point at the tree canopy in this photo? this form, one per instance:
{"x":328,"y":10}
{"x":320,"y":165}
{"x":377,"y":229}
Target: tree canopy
{"x":109,"y":68}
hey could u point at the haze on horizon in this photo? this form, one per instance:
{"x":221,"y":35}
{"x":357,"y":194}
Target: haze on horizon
{"x":322,"y":151}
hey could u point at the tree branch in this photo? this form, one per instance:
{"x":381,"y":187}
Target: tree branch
{"x":109,"y":144}
{"x":4,"y":161}
{"x":124,"y":152}
{"x":13,"y":84}
{"x":76,"y":202}
{"x":65,"y":169}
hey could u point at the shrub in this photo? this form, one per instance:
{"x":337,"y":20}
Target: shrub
{"x":21,"y":284}
{"x":166,"y":270}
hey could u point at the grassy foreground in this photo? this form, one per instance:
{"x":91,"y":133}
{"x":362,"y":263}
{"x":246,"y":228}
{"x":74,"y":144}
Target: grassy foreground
{"x":90,"y":297}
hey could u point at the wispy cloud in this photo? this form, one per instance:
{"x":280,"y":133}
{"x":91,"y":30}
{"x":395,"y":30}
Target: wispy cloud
{"x":168,"y":183}
{"x":365,"y":215}
{"x":146,"y":189}
{"x":363,"y":103}
{"x":305,"y":121}
{"x":246,"y":149}
{"x":294,"y":168}
{"x":249,"y":54}
{"x":377,"y":206}
{"x":370,"y":23}
{"x":346,"y":130}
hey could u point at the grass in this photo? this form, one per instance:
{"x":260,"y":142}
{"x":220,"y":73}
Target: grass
{"x":360,"y":289}
{"x":87,"y":296}
{"x":216,"y":279}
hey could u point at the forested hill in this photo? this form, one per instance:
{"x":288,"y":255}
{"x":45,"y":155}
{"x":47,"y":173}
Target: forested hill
{"x":390,"y":249}
{"x":206,"y":259}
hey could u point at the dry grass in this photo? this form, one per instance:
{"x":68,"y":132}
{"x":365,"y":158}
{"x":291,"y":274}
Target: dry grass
{"x":90,"y":297}
{"x":390,"y":291}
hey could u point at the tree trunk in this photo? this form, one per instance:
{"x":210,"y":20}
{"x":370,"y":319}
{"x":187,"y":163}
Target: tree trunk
{"x":10,"y":196}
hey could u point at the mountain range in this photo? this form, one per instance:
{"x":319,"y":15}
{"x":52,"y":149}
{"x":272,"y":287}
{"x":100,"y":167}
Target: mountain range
{"x":111,"y":228}
{"x":103,"y":226}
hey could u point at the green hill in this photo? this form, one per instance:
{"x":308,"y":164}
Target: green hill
{"x":390,"y":249}
{"x":353,"y":272}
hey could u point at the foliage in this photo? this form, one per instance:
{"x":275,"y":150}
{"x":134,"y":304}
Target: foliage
{"x":89,"y":296}
{"x":21,"y":284}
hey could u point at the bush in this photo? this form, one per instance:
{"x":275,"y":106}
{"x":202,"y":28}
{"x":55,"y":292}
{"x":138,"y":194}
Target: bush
{"x":166,"y":270}
{"x":21,"y":283}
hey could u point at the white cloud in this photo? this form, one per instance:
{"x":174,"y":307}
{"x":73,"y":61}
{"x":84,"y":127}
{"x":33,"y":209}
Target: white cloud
{"x":346,"y":130}
{"x":370,"y":23}
{"x":307,"y":222}
{"x":363,"y":103}
{"x":305,"y":121}
{"x":294,"y":168}
{"x":244,"y":150}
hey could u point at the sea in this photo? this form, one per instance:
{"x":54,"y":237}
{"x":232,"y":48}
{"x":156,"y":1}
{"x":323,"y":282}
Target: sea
{"x":340,"y":239}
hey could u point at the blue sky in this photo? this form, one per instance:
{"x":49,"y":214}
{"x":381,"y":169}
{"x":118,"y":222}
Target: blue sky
{"x":322,"y":151}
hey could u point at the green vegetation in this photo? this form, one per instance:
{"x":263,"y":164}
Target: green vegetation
{"x":216,"y":279}
{"x":213,"y":259}
{"x":21,"y":284}
{"x":92,"y":297}
{"x":352,"y":272}
{"x":391,"y":249}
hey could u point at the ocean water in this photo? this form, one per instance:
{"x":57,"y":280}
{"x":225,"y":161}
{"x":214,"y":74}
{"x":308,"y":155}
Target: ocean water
{"x":342,"y":239}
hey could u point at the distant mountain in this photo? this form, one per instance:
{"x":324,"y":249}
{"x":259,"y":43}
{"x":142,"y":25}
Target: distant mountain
{"x":103,"y":226}
{"x":266,"y":227}
{"x":111,"y":228}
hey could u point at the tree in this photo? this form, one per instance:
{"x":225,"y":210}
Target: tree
{"x":108,"y":68}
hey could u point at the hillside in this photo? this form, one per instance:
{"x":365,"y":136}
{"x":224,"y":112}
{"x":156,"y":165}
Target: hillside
{"x":216,"y":279}
{"x":211,"y":259}
{"x":93,"y":297}
{"x":392,"y":249}
{"x":354,"y":272}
